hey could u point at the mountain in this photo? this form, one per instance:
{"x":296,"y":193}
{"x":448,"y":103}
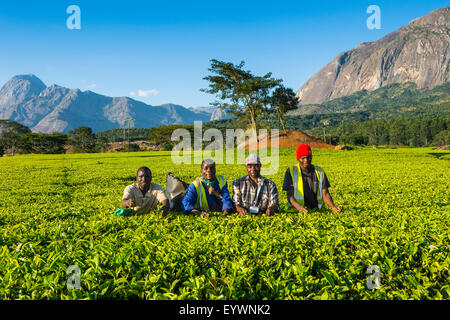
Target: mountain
{"x":418,"y":52}
{"x":399,"y":101}
{"x":390,"y":101}
{"x":216,"y":113}
{"x":27,"y":100}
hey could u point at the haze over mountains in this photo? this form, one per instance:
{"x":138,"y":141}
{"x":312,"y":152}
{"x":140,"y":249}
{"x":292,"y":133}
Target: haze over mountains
{"x":418,"y":52}
{"x":27,"y":100}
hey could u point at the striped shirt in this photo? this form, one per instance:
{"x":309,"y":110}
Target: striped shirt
{"x":262,"y":195}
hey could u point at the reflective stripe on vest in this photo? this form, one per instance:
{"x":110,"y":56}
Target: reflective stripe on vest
{"x":298,"y":185}
{"x":202,"y":202}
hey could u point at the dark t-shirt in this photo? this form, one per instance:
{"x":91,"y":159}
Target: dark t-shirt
{"x":309,"y":185}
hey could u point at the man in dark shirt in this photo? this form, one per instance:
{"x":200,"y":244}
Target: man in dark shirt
{"x":308,"y":189}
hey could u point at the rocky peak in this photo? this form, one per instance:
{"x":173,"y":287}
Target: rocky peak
{"x":418,"y":52}
{"x":438,"y":17}
{"x":20,"y":88}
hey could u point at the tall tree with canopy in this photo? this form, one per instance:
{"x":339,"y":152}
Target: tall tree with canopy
{"x":242,"y":93}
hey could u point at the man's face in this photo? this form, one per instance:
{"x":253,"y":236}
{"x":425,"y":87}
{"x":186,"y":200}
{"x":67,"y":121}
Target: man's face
{"x":305,"y":162}
{"x":209,"y":171}
{"x":253,"y":170}
{"x":144,"y":178}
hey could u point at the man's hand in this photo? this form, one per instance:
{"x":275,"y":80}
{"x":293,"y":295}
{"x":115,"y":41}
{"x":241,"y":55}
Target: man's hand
{"x":241,"y":211}
{"x":303,"y":209}
{"x":226,"y":212}
{"x":165,"y":209}
{"x":203,"y":214}
{"x":164,"y":212}
{"x":128,"y":203}
{"x":336,"y":209}
{"x":294,"y":202}
{"x":270,"y":211}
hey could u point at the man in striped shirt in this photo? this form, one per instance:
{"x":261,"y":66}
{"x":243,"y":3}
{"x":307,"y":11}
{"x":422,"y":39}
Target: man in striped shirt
{"x":253,"y":193}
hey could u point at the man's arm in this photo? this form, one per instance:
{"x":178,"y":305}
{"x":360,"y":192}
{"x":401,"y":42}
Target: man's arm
{"x":162,"y":199}
{"x":329,"y":201}
{"x":288,"y":186}
{"x":127,"y":203}
{"x":188,"y":203}
{"x":237,"y":198}
{"x":294,"y":203}
{"x":273,"y":200}
{"x":227,"y":203}
{"x":166,"y":206}
{"x":242,"y":211}
{"x":127,"y":199}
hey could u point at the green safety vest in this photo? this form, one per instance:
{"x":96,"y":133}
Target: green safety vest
{"x":202,"y":202}
{"x":298,"y":185}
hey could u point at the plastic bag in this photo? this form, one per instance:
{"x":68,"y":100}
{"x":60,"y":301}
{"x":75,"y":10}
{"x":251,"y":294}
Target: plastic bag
{"x":176,"y":189}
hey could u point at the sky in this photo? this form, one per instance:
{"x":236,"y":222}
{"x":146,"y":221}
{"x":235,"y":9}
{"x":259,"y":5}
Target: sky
{"x":159,"y":51}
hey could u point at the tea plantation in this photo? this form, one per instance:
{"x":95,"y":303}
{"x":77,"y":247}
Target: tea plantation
{"x":57,"y":211}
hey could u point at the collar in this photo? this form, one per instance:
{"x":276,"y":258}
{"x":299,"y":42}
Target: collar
{"x":208,"y":183}
{"x":149,"y":189}
{"x":311,"y":169}
{"x":260,"y":179}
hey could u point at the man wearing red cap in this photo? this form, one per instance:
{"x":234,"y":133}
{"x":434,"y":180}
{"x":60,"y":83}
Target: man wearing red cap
{"x":307,"y":185}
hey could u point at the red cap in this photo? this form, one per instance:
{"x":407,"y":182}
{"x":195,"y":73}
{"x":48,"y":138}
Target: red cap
{"x":303,"y":150}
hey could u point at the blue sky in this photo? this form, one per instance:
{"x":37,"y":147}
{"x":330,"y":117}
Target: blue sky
{"x":158,"y":51}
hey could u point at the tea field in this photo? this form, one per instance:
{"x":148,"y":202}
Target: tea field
{"x":57,"y":211}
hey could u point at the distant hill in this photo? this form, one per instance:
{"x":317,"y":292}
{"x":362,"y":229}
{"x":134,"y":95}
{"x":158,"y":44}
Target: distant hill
{"x":418,"y":52}
{"x":27,"y":100}
{"x":396,"y":101}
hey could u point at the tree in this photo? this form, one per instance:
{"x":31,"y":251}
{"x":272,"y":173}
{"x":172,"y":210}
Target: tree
{"x":82,"y":139}
{"x":101,"y":145}
{"x":162,"y":135}
{"x":10,"y":135}
{"x":442,"y":138}
{"x":283,"y":99}
{"x":242,"y":93}
{"x":43,"y":143}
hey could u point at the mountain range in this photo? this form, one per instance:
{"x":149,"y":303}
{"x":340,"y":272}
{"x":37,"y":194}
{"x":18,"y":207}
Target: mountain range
{"x":418,"y":52}
{"x":27,"y":100}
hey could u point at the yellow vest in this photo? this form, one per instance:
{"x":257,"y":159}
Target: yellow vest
{"x":202,"y":202}
{"x":298,"y":185}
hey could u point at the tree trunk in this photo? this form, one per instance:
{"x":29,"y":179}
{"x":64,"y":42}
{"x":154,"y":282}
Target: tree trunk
{"x":252,"y":117}
{"x":283,"y":126}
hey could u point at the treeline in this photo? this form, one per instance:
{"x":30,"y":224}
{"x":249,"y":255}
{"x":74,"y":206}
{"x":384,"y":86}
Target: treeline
{"x":159,"y":135}
{"x":16,"y":138}
{"x":119,"y":135}
{"x":405,"y":132}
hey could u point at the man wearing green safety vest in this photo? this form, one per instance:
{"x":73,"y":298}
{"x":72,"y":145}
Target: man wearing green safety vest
{"x":307,"y":185}
{"x":207,"y":193}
